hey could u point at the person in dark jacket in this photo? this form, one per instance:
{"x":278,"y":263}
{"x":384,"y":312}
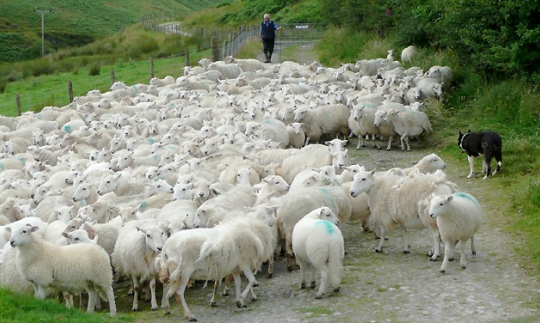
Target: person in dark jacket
{"x":267,"y":35}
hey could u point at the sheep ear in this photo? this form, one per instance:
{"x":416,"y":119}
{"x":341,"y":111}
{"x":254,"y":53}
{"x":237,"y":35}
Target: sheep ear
{"x":95,"y":240}
{"x":34,"y":228}
{"x":450,"y":198}
{"x":142,"y":230}
{"x":65,"y":235}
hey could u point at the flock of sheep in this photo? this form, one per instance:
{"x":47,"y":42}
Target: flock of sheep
{"x":203,"y":176}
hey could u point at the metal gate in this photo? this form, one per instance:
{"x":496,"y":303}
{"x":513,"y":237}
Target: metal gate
{"x":301,"y":32}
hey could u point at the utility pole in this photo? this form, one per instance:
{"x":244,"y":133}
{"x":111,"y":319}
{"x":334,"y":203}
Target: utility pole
{"x":43,"y":12}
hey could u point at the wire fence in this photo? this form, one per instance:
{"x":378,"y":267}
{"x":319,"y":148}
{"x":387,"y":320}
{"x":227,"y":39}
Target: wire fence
{"x":220,"y":44}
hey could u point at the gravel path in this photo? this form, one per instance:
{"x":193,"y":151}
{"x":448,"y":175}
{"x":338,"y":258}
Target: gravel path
{"x":390,"y":286}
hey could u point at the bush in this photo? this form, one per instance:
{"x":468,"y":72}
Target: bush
{"x":94,"y":70}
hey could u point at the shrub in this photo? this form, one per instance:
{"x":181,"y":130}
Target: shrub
{"x":94,"y":70}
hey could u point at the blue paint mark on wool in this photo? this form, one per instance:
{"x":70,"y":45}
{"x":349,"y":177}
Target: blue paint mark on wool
{"x":327,"y":194}
{"x":67,"y":128}
{"x":330,"y":229}
{"x":466,"y":196}
{"x":144,"y":205}
{"x":2,"y":166}
{"x":150,"y":140}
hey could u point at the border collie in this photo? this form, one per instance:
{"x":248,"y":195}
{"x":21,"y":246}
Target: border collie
{"x":486,"y":144}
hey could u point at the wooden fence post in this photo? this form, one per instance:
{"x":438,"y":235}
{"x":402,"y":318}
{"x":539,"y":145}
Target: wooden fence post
{"x":70,"y":91}
{"x":113,"y":77}
{"x":215,"y":50}
{"x":151,"y":67}
{"x":18,"y":100}
{"x":187,"y":58}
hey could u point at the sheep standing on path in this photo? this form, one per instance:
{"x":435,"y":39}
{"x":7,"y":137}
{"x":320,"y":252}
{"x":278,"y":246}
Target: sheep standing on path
{"x":458,"y":217}
{"x":72,"y":268}
{"x":318,"y":241}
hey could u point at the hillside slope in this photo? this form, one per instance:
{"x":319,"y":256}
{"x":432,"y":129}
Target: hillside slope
{"x":75,"y":22}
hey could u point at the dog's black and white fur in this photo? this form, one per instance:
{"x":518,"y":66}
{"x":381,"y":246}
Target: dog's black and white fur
{"x":486,"y":144}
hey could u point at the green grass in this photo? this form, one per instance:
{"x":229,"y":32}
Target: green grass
{"x":26,"y":309}
{"x":52,"y":90}
{"x":78,"y":22}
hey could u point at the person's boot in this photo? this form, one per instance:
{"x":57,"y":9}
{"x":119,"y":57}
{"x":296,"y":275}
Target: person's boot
{"x":267,"y":56}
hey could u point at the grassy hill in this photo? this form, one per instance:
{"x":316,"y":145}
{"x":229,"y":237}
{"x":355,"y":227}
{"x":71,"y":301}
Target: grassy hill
{"x":76,"y":22}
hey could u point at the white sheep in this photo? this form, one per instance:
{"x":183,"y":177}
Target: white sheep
{"x":317,"y":241}
{"x":408,"y":124}
{"x":272,"y":129}
{"x":136,"y":248}
{"x":297,"y":136}
{"x":428,"y":164}
{"x":408,"y":53}
{"x":72,"y":268}
{"x":312,"y":156}
{"x":295,"y":205}
{"x":329,"y":120}
{"x":209,"y":254}
{"x":458,"y":218}
{"x":395,"y":199}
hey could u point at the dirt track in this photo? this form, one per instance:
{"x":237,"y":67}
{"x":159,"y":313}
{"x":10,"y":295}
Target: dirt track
{"x":389,"y":287}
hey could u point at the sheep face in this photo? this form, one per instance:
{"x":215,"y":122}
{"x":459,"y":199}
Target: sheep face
{"x":362,"y":182}
{"x":438,"y":205}
{"x":21,"y":236}
{"x":154,"y":237}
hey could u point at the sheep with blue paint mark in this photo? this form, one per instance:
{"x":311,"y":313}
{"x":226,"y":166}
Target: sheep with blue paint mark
{"x":458,"y":218}
{"x":318,"y":242}
{"x":295,"y":205}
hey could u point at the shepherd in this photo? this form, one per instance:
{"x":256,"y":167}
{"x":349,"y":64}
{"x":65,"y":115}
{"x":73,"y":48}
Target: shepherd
{"x":267,"y":35}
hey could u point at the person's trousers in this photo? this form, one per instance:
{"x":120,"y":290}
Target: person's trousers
{"x":268,"y":46}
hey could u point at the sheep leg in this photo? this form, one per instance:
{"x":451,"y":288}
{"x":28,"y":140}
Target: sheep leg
{"x":136,"y":291}
{"x":169,"y":291}
{"x":110,"y":298}
{"x":448,"y":255}
{"x":68,"y":298}
{"x":39,"y":291}
{"x":92,"y":295}
{"x":324,"y":282}
{"x":360,"y":141}
{"x":182,"y":300}
{"x":407,"y":249}
{"x":227,"y":284}
{"x":302,"y":265}
{"x":473,"y":248}
{"x":271,"y":266}
{"x":436,"y":245}
{"x":463,"y":258}
{"x":251,"y":281}
{"x":153,"y":293}
{"x":389,"y":143}
{"x":216,"y":287}
{"x":381,"y":241}
{"x":471,"y":165}
{"x":313,"y":283}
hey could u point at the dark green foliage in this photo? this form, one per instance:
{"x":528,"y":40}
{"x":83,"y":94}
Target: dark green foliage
{"x":495,"y":37}
{"x":94,"y":70}
{"x":223,"y":4}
